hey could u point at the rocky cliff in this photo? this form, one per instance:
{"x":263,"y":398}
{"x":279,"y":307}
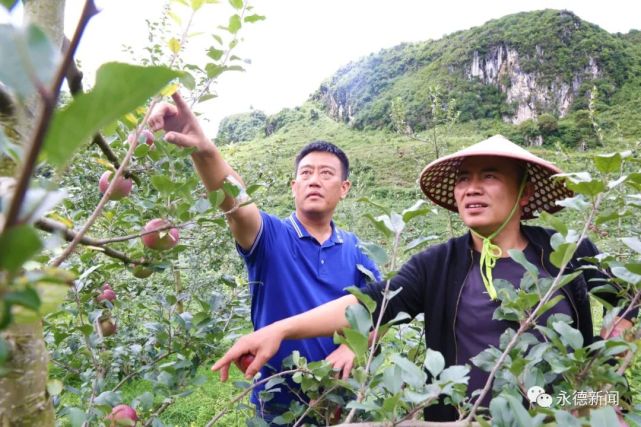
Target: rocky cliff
{"x":515,"y":68}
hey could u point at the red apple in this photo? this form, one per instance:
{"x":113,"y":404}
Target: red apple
{"x":107,"y":327}
{"x":107,"y":294}
{"x":121,"y":189}
{"x":146,"y":135}
{"x":123,"y":415}
{"x":244,"y":361}
{"x":141,"y":272}
{"x":160,"y":240}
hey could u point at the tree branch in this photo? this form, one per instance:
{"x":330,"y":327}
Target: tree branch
{"x":51,"y":226}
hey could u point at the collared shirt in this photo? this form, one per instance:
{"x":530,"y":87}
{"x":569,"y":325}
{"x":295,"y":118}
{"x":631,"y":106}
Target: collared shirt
{"x":290,"y":272}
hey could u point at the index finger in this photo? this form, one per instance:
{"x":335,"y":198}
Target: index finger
{"x":180,"y":102}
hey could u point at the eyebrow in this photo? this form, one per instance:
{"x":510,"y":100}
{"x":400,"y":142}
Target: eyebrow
{"x":319,"y":167}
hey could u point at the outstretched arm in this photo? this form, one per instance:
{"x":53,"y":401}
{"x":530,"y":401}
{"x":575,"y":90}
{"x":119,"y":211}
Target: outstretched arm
{"x":323,"y":320}
{"x":182,"y":129}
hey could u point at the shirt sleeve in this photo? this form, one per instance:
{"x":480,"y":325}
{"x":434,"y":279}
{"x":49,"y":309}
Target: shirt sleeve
{"x":410,"y":287}
{"x":269,"y":226}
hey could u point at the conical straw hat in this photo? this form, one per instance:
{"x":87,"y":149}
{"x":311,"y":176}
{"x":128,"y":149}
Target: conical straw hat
{"x":439,"y":177}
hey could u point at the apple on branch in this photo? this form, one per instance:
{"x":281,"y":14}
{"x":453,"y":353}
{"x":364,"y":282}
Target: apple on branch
{"x":121,"y":189}
{"x":162,"y":240}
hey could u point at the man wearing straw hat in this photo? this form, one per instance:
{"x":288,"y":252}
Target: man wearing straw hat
{"x":493,"y":186}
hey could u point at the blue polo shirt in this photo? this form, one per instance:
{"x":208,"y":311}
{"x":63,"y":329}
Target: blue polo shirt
{"x":290,"y":272}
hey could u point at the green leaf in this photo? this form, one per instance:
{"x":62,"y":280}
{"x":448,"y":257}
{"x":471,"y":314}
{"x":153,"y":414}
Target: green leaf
{"x":603,"y":417}
{"x":234,"y":24}
{"x":145,"y":401}
{"x":366,"y":272}
{"x":27,"y":298}
{"x":486,"y":359}
{"x":564,"y":418}
{"x":418,"y":242}
{"x":17,"y":245}
{"x":356,"y":341}
{"x":563,"y":254}
{"x":375,"y":253}
{"x":216,"y":197}
{"x":418,"y":209}
{"x":410,"y":373}
{"x":382,"y":224}
{"x":119,"y":89}
{"x":519,"y":412}
{"x":608,"y":163}
{"x":162,"y":183}
{"x":548,"y":305}
{"x":583,"y":183}
{"x":434,"y":362}
{"x":77,"y":416}
{"x":554,"y":222}
{"x":236,"y":4}
{"x":376,"y":205}
{"x":254,"y":18}
{"x":625,"y":274}
{"x":456,"y":373}
{"x":392,"y":379}
{"x":108,"y":398}
{"x":359,"y":318}
{"x":215,"y":54}
{"x":578,"y":203}
{"x":54,"y":387}
{"x":519,"y":257}
{"x":26,"y":52}
{"x":569,"y":335}
{"x":196,"y":4}
{"x":363,"y":298}
{"x":633,"y":243}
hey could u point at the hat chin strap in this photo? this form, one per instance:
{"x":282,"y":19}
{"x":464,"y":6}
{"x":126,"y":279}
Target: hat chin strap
{"x":491,"y":252}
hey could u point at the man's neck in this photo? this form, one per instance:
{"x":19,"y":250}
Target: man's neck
{"x":510,"y":238}
{"x":320,"y":227}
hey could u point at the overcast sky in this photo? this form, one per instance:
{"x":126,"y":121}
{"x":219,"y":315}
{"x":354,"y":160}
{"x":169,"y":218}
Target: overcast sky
{"x":302,"y":42}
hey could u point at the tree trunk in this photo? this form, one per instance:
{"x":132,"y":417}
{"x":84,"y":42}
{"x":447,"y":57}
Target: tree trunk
{"x":48,"y":15}
{"x":24,"y":400}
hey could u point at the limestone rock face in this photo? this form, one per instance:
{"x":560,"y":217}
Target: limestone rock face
{"x":530,"y":92}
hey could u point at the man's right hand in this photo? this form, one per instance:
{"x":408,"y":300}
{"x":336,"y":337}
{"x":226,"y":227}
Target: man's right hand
{"x":179,"y":123}
{"x":262,"y":344}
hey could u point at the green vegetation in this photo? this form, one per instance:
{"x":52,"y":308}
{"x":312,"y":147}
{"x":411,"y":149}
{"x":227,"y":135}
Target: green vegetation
{"x":241,"y":127}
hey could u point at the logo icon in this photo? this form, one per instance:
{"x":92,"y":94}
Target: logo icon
{"x":538,"y":396}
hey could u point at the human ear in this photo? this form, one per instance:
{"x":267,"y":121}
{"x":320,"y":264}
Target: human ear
{"x":345,"y":186}
{"x":528,"y":192}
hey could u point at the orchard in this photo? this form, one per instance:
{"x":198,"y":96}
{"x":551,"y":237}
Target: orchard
{"x":120,"y":284}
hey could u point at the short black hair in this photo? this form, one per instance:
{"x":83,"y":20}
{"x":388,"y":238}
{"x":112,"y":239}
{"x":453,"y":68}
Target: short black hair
{"x":325,"y":147}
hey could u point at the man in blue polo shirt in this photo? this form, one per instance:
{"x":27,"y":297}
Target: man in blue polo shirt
{"x":294,"y":264}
